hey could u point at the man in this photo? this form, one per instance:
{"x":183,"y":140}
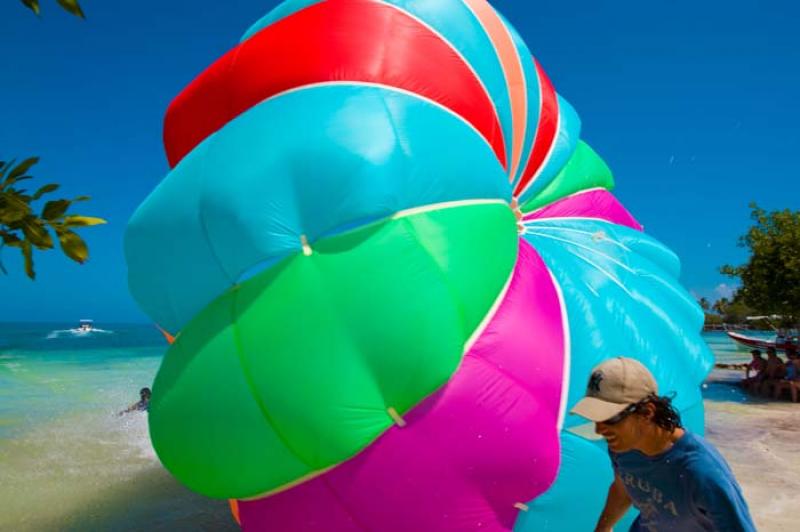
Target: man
{"x":791,"y":379}
{"x":757,"y":366}
{"x":772,"y":374}
{"x":676,"y":479}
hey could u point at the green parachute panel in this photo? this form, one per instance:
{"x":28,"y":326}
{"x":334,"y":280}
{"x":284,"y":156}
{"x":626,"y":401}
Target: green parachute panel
{"x":584,"y":170}
{"x":381,"y":313}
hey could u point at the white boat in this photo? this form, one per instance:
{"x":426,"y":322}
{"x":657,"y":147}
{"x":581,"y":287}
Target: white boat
{"x":85,"y":326}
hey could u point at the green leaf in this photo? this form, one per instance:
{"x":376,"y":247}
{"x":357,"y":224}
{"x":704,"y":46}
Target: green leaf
{"x":45,"y":190}
{"x":54,"y":210}
{"x":13,"y":207}
{"x":33,"y":5}
{"x":36,"y":233}
{"x":6,"y":167}
{"x":73,"y":246}
{"x":10,"y":239}
{"x":21,"y":168}
{"x":27,"y":253}
{"x":73,"y":7}
{"x":81,"y":198}
{"x":82,"y":221}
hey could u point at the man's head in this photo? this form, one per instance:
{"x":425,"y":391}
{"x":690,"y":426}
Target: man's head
{"x":145,"y":394}
{"x":771,"y":353}
{"x":756,"y":353}
{"x":622,"y":399}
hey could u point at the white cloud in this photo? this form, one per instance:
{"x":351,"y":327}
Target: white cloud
{"x":724,"y":290}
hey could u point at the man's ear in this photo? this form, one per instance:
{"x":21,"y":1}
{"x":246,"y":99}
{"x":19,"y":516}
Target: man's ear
{"x":649,"y":411}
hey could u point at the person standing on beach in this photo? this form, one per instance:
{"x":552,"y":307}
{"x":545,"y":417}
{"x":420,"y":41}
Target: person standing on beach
{"x":676,"y":479}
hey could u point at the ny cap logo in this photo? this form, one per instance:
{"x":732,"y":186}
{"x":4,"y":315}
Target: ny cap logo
{"x":594,"y":381}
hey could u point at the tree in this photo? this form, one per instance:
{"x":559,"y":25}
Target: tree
{"x":771,"y":277}
{"x":21,"y":228}
{"x":720,"y":305}
{"x":703,"y":302}
{"x":71,"y":6}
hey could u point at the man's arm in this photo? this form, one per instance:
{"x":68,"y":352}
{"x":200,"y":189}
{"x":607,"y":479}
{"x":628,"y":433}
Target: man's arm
{"x":617,"y":503}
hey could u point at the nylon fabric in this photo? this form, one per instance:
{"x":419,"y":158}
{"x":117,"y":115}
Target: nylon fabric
{"x":633,"y":298}
{"x":585,"y":170}
{"x":345,"y":156}
{"x":597,"y":204}
{"x":367,"y":358}
{"x":545,"y":165}
{"x":513,"y":407}
{"x":338,"y":47}
{"x":458,"y":26}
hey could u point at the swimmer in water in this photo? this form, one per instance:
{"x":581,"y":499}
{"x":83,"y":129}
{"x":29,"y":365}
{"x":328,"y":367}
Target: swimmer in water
{"x":142,"y":405}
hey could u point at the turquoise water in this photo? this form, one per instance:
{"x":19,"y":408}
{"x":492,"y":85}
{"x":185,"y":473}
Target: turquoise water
{"x":68,"y":462}
{"x":47,"y":371}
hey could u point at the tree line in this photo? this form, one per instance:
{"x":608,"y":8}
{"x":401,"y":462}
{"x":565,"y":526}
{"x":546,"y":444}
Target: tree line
{"x":770,"y":279}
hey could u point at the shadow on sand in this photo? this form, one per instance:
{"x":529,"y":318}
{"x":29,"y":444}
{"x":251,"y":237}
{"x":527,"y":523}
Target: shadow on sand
{"x":152,"y":500}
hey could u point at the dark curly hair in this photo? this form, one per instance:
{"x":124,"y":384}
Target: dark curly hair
{"x":665,"y":415}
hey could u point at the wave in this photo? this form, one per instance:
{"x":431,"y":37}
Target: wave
{"x":76,"y":333}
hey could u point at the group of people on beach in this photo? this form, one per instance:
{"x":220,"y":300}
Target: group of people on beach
{"x":772,"y":376}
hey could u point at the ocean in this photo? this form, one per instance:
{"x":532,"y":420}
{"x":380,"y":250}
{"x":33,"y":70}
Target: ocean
{"x":69,"y":462}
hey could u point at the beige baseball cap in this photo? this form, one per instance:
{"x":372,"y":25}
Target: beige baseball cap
{"x":613,"y":386}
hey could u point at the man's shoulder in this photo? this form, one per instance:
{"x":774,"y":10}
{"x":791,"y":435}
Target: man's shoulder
{"x":701,"y":459}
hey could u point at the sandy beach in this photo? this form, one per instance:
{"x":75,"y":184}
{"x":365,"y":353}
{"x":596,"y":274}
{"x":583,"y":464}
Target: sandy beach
{"x":761,"y":441}
{"x":68,"y":462}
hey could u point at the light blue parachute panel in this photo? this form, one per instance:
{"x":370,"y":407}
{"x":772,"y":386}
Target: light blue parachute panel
{"x":456,"y":23}
{"x":341,"y":155}
{"x":577,"y":497}
{"x":622,"y":299}
{"x":567,"y":137}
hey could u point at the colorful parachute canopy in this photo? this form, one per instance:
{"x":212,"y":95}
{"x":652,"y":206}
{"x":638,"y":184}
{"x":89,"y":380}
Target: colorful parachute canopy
{"x":390,"y":265}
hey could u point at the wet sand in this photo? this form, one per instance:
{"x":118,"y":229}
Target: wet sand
{"x":760,"y":439}
{"x":93,"y":471}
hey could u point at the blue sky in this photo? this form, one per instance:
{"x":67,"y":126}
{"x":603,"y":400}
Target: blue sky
{"x":694,"y":105}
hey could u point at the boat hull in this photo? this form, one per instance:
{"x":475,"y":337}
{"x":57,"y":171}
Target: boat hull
{"x":753,"y":342}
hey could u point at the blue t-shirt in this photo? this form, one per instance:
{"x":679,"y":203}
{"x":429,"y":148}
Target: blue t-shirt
{"x":689,"y":487}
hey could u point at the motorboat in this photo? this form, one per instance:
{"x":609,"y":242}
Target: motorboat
{"x":84,"y":326}
{"x":780,"y":343}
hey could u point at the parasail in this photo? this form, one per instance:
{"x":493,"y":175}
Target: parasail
{"x":390,"y":263}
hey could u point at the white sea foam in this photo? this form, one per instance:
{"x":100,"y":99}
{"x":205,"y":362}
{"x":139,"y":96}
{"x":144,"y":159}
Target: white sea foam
{"x":75,"y":333}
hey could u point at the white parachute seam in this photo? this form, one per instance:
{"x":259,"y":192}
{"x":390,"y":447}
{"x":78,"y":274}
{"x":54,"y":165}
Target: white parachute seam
{"x":489,"y":314}
{"x":444,"y":205}
{"x":568,"y":196}
{"x":592,"y":263}
{"x":567,"y":358}
{"x":587,"y":248}
{"x":509,"y":149}
{"x":529,"y":229}
{"x":550,"y":150}
{"x":455,"y":51}
{"x":517,"y":179}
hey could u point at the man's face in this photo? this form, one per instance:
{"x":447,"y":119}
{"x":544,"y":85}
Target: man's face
{"x":624,"y":435}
